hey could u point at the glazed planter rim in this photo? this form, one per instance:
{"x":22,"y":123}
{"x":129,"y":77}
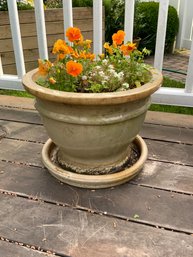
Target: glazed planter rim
{"x":91,"y":98}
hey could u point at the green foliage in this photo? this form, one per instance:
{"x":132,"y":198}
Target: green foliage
{"x":3,"y":5}
{"x":76,"y":69}
{"x":53,"y":3}
{"x":24,"y":6}
{"x":149,"y":17}
{"x":114,"y":19}
{"x":145,"y":23}
{"x":20,"y":6}
{"x":113,"y":73}
{"x":82,"y":3}
{"x":75,"y":3}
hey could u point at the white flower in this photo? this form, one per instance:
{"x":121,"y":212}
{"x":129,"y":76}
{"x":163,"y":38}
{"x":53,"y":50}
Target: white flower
{"x":121,"y":74}
{"x":116,"y":75}
{"x":112,"y":72}
{"x":84,"y":77}
{"x":97,"y":67}
{"x":104,"y":61}
{"x":101,"y":73}
{"x":105,"y":77}
{"x":111,"y":67}
{"x":126,"y":85}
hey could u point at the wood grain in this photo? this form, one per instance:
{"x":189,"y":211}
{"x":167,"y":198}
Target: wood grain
{"x":125,"y":200}
{"x":77,"y":233}
{"x":51,"y":15}
{"x":26,"y":116}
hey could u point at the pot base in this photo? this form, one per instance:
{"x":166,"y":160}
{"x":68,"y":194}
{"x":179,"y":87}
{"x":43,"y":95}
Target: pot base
{"x":49,"y":152}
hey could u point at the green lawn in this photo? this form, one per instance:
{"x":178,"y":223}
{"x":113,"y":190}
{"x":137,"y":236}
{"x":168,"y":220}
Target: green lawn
{"x":167,"y":108}
{"x":154,"y":107}
{"x":15,"y":93}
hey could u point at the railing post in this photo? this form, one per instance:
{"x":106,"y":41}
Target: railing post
{"x":189,"y":78}
{"x":161,"y":34}
{"x":68,"y":17}
{"x":16,"y":37}
{"x":129,"y":19}
{"x":97,"y":26}
{"x":41,"y":29}
{"x":1,"y":67}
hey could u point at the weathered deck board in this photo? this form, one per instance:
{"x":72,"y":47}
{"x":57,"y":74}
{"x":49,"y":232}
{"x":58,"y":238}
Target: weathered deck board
{"x":21,"y":151}
{"x":13,"y":250}
{"x":15,"y":150}
{"x":126,"y":200}
{"x":167,"y":133}
{"x":27,"y":116}
{"x":77,"y":233}
{"x":170,"y":152}
{"x":24,"y":131}
{"x":162,"y":195}
{"x":166,"y":176}
{"x":30,"y":180}
{"x":170,"y":119}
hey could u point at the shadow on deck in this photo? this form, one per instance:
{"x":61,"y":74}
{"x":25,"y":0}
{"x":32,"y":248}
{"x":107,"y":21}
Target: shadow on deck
{"x":150,"y":216}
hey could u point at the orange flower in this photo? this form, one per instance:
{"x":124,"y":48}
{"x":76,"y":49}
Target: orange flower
{"x":75,"y":54}
{"x":101,"y":56}
{"x":61,"y":48}
{"x":108,"y":48}
{"x":127,"y":49}
{"x":90,"y":56}
{"x":44,"y":66}
{"x":88,"y":43}
{"x":80,"y":41}
{"x":74,"y":68}
{"x":58,"y":45}
{"x":118,"y":37}
{"x":73,"y":34}
{"x":85,"y":55}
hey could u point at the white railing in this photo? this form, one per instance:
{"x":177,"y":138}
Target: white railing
{"x":171,"y":96}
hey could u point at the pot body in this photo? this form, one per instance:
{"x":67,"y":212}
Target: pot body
{"x":92,"y":131}
{"x":94,"y":138}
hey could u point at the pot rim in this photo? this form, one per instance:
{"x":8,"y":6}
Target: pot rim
{"x":92,"y":98}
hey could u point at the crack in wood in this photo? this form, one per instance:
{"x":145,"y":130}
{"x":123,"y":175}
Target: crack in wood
{"x":32,"y":247}
{"x":166,"y":125}
{"x":3,"y":132}
{"x":24,"y":164}
{"x":166,"y":141}
{"x":20,"y":121}
{"x":169,"y":162}
{"x":162,"y":189}
{"x":24,"y":140}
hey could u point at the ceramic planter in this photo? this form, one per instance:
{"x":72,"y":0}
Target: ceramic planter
{"x":92,"y":131}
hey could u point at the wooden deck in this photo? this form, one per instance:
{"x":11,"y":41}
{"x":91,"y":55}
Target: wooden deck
{"x":152,"y":216}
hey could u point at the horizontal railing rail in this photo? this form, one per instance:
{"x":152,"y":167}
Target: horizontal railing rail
{"x":170,"y":96}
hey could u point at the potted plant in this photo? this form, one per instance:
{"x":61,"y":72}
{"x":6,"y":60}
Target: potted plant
{"x":93,"y":108}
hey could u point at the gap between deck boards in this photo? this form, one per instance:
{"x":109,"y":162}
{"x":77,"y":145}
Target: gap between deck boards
{"x":125,"y":200}
{"x":88,"y":230}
